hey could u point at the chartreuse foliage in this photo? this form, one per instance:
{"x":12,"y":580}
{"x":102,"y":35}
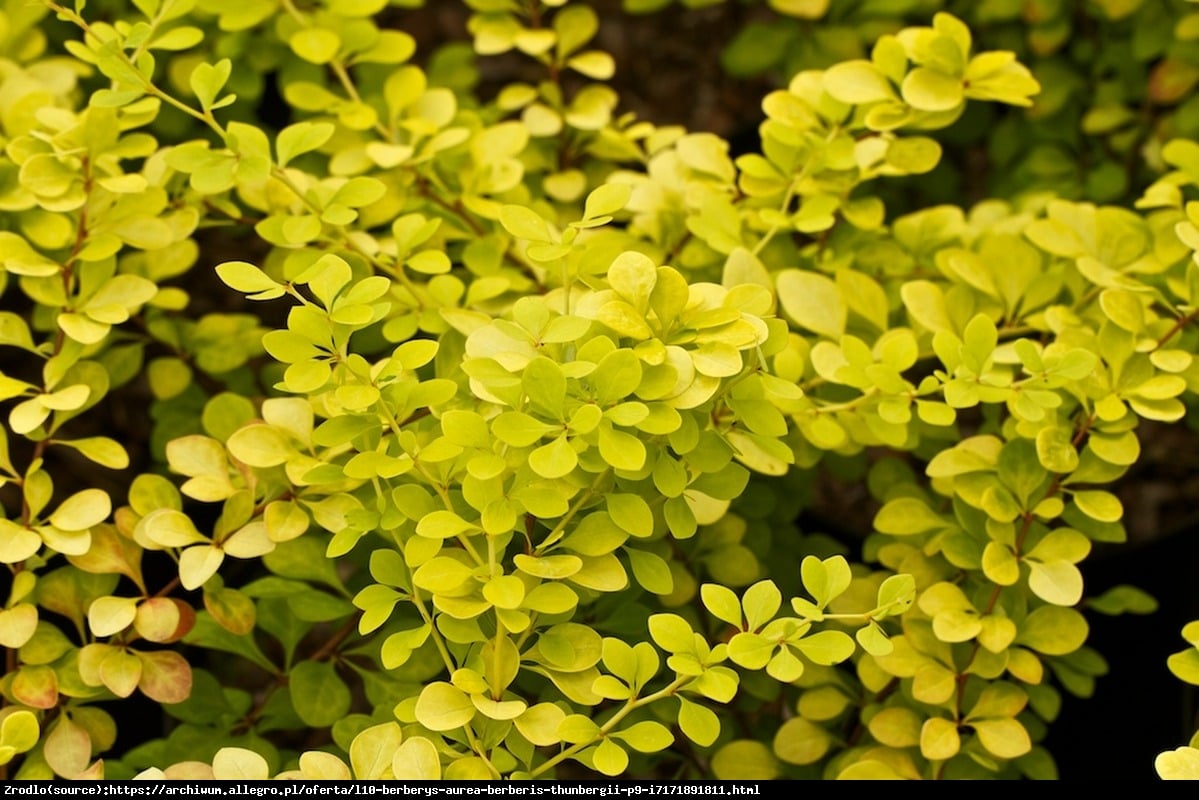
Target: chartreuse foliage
{"x":1115,"y":75}
{"x":487,"y":463}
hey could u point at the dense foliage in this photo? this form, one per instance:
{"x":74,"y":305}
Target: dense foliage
{"x":368,"y":415}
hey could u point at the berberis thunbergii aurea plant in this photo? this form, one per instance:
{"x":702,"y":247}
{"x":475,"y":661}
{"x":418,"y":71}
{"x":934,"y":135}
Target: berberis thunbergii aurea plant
{"x":399,"y":429}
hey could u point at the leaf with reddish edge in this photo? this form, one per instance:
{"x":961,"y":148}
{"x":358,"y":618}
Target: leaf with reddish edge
{"x":35,"y":686}
{"x":164,"y":619}
{"x":232,"y":609}
{"x":166,"y":676}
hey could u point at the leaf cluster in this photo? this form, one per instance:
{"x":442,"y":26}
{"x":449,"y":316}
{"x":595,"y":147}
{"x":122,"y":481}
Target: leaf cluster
{"x":477,"y":431}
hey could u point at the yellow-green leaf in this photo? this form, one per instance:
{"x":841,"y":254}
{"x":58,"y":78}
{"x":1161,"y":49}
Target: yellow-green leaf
{"x":939,"y":739}
{"x":927,"y":89}
{"x":813,"y":301}
{"x":315,"y":45}
{"x":1053,"y":630}
{"x":1180,"y":764}
{"x":82,"y":510}
{"x":110,"y":615}
{"x":800,"y":741}
{"x":745,"y":759}
{"x":1057,"y":582}
{"x":19,"y":731}
{"x":443,"y":707}
{"x":199,"y":563}
{"x":238,"y":763}
{"x":373,"y":749}
{"x":416,"y":759}
{"x":857,"y":82}
{"x":1005,"y":738}
{"x":610,"y":758}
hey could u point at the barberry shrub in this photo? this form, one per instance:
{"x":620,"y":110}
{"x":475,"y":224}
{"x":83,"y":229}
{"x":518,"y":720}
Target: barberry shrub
{"x":363,"y":423}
